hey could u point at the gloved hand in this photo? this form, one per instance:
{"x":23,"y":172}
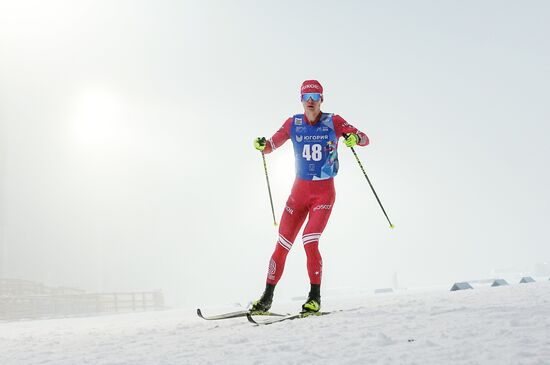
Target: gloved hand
{"x":351,"y":139}
{"x":259,"y":143}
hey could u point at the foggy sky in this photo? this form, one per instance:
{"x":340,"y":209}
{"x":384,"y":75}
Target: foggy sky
{"x":126,"y":128}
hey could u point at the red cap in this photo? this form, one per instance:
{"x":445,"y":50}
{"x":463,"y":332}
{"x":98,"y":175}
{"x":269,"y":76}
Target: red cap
{"x":311,"y":86}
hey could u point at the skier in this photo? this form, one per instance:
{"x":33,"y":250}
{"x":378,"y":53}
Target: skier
{"x":314,"y":135}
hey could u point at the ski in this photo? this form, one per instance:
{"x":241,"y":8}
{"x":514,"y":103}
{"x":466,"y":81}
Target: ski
{"x":289,"y":317}
{"x":237,"y":314}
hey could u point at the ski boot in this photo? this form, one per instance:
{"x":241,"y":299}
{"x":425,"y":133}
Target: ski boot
{"x":262,"y":305}
{"x":313,"y":302}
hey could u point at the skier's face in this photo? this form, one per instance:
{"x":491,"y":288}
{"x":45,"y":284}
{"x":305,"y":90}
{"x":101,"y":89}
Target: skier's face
{"x":311,"y":105}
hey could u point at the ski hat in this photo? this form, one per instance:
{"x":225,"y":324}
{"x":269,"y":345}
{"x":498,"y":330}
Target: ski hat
{"x":311,"y":86}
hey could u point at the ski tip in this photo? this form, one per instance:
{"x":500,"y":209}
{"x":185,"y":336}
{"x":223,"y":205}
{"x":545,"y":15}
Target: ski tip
{"x":199,"y":313}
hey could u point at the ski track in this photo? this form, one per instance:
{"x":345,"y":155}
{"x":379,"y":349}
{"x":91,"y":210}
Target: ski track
{"x":504,"y":325}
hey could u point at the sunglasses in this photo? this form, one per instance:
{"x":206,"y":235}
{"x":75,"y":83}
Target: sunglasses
{"x":312,"y":96}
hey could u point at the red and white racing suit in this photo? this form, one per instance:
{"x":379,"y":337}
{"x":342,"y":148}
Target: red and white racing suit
{"x":314,"y":198}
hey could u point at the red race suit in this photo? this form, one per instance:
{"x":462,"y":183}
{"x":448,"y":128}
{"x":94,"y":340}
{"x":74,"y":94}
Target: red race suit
{"x":315,"y":145}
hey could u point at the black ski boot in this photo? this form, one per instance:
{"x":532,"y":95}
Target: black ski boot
{"x":263,"y":304}
{"x":313,"y":303}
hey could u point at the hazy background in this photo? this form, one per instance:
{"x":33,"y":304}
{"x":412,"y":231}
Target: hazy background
{"x":126,"y":127}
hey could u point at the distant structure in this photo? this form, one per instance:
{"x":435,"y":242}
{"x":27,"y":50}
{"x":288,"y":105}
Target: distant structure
{"x":526,"y":279}
{"x":499,"y":282}
{"x":461,"y":286}
{"x":23,"y":299}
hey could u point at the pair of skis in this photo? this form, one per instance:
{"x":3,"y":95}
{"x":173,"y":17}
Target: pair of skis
{"x":288,"y":317}
{"x":273,"y":317}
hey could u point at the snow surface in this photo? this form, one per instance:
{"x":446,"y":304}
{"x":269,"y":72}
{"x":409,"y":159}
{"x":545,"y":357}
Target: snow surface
{"x":501,"y":325}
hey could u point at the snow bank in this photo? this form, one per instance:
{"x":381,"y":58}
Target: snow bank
{"x":501,"y":325}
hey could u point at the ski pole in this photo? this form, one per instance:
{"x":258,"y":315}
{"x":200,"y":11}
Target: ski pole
{"x":269,"y":190}
{"x":368,"y":180}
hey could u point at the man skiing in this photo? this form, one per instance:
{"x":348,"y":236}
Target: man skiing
{"x":314,"y":136}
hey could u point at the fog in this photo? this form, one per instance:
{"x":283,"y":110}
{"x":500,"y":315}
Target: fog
{"x":126,"y":128}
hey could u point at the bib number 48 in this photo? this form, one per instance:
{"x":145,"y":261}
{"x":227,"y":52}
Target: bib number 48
{"x":312,"y":152}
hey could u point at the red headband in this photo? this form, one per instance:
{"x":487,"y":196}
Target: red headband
{"x":311,"y":86}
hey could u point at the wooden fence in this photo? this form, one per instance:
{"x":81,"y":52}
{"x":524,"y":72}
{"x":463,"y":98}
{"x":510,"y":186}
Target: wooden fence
{"x":27,"y":300}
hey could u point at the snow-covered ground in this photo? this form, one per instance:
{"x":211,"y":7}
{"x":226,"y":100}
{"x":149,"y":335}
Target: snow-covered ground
{"x":501,"y":325}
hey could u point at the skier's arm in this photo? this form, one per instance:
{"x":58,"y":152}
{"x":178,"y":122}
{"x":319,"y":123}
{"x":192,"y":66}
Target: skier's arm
{"x":342,"y":127}
{"x":279,"y":138}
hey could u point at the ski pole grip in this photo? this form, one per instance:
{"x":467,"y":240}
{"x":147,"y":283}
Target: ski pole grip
{"x":262,"y":141}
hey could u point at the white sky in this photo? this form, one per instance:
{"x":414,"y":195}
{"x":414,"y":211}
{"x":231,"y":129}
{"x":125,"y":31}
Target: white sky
{"x":126,"y":160}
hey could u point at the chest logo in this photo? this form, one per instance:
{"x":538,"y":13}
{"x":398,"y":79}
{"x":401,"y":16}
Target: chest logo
{"x":299,"y":138}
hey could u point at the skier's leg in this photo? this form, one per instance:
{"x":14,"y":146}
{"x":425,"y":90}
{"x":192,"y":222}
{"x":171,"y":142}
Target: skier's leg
{"x":320,"y":207}
{"x":318,"y":217}
{"x":291,"y":222}
{"x":293,"y":217}
{"x":312,"y":233}
{"x":319,"y":214}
